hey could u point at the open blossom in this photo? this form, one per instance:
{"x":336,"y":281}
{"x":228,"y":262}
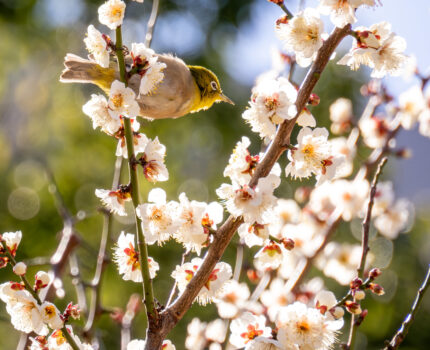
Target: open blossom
{"x":57,"y":341}
{"x":218,"y":277}
{"x":269,"y":257}
{"x":12,"y":240}
{"x":152,"y":161}
{"x":377,"y":48}
{"x":302,"y":35}
{"x":246,"y":328}
{"x":301,"y":327}
{"x":411,"y":104}
{"x":232,"y":299}
{"x":98,"y":110}
{"x":97,"y":46}
{"x":313,"y":155}
{"x":350,"y":197}
{"x":127,"y":259}
{"x":325,"y":301}
{"x":254,"y":204}
{"x":201,"y":335}
{"x":263,"y":343}
{"x":114,"y":200}
{"x":254,"y":234}
{"x":374,"y":131}
{"x":160,"y":219}
{"x":23,"y":308}
{"x":241,"y":163}
{"x":140,"y":142}
{"x":275,"y":297}
{"x":122,"y":101}
{"x":346,"y":147}
{"x":272,"y":102}
{"x":196,"y":218}
{"x":150,"y":70}
{"x":51,"y":315}
{"x":395,"y":218}
{"x":111,"y":13}
{"x":342,"y":12}
{"x":341,"y":115}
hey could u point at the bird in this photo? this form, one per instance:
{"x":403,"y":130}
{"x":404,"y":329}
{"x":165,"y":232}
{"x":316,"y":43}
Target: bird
{"x":184,"y":89}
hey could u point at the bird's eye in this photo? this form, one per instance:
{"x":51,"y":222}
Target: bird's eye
{"x":214,"y":85}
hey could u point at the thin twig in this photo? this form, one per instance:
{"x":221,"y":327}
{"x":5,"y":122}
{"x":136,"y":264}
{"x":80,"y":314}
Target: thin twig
{"x":151,"y":23}
{"x":410,"y":318}
{"x":365,"y":246}
{"x":173,"y":290}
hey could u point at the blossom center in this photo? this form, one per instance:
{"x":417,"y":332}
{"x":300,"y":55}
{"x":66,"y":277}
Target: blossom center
{"x":253,"y":332}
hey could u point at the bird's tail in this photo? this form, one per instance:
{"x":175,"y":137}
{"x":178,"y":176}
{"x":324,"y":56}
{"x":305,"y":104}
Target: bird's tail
{"x":80,"y":70}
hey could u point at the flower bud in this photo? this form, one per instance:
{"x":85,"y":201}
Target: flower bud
{"x":42,"y":279}
{"x":302,"y":194}
{"x":353,"y":307}
{"x":20,"y":269}
{"x":288,"y":243}
{"x":314,"y":100}
{"x":72,"y":311}
{"x":253,"y":275}
{"x":3,"y":261}
{"x":376,"y":288}
{"x":356,"y":283}
{"x":359,"y":294}
{"x":374,"y":273}
{"x":337,"y":312}
{"x":277,"y":2}
{"x":282,"y":20}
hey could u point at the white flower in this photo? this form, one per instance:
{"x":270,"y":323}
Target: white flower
{"x":122,"y":101}
{"x":232,"y":299}
{"x":150,"y":69}
{"x":114,"y":200}
{"x":12,"y":240}
{"x":42,"y":280}
{"x":254,"y":204}
{"x":395,"y":218}
{"x":269,"y":257}
{"x":272,"y":102}
{"x":411,"y":104}
{"x":51,"y":315}
{"x":313,"y":155}
{"x":377,"y":48}
{"x":325,"y":301}
{"x":196,"y":339}
{"x":286,"y":211}
{"x":262,"y":343}
{"x":350,"y":197}
{"x":306,"y":118}
{"x":218,"y":277}
{"x":302,"y":35}
{"x":23,"y":309}
{"x":341,"y":115}
{"x":248,"y":327}
{"x":216,"y":331}
{"x":276,"y":297}
{"x":159,"y":219}
{"x":138,"y":344}
{"x":374,"y":131}
{"x":57,"y":341}
{"x":127,"y":259}
{"x":97,"y":46}
{"x":384,"y":197}
{"x":301,"y":327}
{"x":424,"y":120}
{"x":140,"y":142}
{"x":152,"y":161}
{"x":20,"y":268}
{"x":342,"y":12}
{"x":111,"y":13}
{"x":346,"y":147}
{"x":253,"y":234}
{"x":97,"y":109}
{"x":241,"y":164}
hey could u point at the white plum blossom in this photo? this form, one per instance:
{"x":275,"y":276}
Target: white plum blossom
{"x":217,"y":279}
{"x":374,"y":131}
{"x":275,"y":297}
{"x":411,"y":105}
{"x":263,"y":343}
{"x":150,"y":70}
{"x":122,"y":101}
{"x":98,"y":110}
{"x":114,"y":200}
{"x":272,"y":102}
{"x":140,"y":142}
{"x":160,"y":219}
{"x":57,"y":341}
{"x":254,"y":204}
{"x":20,"y":268}
{"x":215,"y":332}
{"x":138,"y":344}
{"x":301,"y":327}
{"x":325,"y":301}
{"x":241,"y":163}
{"x":424,"y":123}
{"x":377,"y":48}
{"x":232,"y":299}
{"x":313,"y":155}
{"x":23,"y":308}
{"x":384,"y":197}
{"x":341,"y":115}
{"x":97,"y":46}
{"x":350,"y":197}
{"x":342,"y":12}
{"x":51,"y":315}
{"x":302,"y":35}
{"x":111,"y":13}
{"x":11,"y":240}
{"x":196,"y":339}
{"x":269,"y":257}
{"x":41,"y":280}
{"x":127,"y":259}
{"x":152,"y":161}
{"x":246,"y":328}
{"x":395,"y":218}
{"x":346,"y":147}
{"x":254,"y":234}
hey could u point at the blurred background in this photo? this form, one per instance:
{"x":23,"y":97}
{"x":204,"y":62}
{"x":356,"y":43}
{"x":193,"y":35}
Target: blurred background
{"x":42,"y":127}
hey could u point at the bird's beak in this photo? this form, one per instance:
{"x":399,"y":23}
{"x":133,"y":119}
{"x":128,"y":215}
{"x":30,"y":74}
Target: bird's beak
{"x":224,"y":98}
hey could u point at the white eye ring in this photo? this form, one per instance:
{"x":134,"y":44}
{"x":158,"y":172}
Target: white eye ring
{"x":214,"y":85}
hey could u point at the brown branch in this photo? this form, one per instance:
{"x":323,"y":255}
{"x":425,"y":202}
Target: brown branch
{"x":171,"y":316}
{"x":151,"y":23}
{"x":410,"y":318}
{"x":365,"y":246}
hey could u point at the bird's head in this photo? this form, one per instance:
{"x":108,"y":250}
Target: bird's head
{"x":209,"y":88}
